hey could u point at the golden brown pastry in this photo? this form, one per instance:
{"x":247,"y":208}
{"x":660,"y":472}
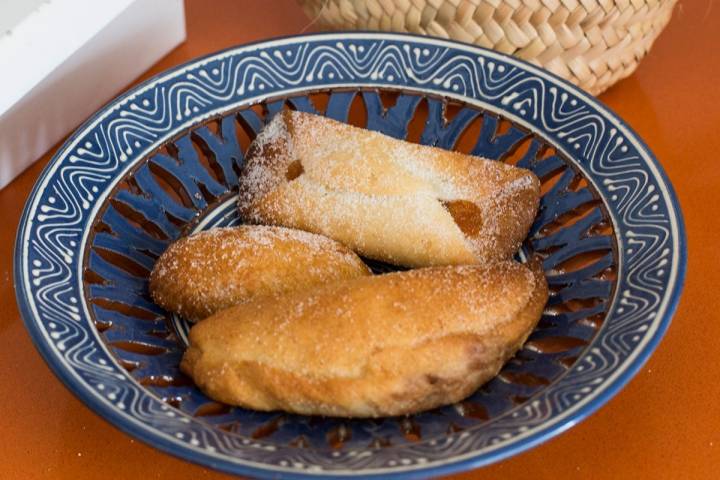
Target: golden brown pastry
{"x":213,"y":270}
{"x":373,"y":346}
{"x":385,"y":198}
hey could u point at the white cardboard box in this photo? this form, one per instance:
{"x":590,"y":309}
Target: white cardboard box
{"x":60,"y":60}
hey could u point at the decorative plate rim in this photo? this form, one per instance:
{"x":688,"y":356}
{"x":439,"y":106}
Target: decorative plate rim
{"x":181,"y":450}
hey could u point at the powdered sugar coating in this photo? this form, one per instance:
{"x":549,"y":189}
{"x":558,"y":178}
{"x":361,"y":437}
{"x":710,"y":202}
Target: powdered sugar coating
{"x":383,"y":197}
{"x":218,"y":268}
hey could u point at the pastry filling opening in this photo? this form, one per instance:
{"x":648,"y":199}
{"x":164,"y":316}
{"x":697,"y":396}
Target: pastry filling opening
{"x":467,"y":215}
{"x":294,"y":170}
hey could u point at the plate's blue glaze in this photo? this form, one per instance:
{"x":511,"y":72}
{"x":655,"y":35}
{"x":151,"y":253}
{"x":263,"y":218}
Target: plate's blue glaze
{"x":101,"y":213}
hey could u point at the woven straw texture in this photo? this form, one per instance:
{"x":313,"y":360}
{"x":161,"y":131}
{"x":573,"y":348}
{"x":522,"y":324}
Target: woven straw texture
{"x":592,"y":43}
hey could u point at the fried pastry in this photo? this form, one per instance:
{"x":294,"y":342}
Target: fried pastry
{"x":387,"y":199}
{"x":213,"y":270}
{"x":373,"y":346}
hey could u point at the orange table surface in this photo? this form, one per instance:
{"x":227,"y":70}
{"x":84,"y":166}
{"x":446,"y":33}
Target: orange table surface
{"x":664,"y":424}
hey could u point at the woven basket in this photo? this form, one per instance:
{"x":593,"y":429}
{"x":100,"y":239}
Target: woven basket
{"x":592,"y":43}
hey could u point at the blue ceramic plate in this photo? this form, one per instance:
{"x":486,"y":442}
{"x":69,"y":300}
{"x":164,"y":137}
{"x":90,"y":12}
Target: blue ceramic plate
{"x":162,"y":161}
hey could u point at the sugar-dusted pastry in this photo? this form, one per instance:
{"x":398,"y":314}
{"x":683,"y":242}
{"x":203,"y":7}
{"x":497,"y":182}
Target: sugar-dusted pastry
{"x":213,"y":270}
{"x":373,"y":346}
{"x":385,"y":198}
